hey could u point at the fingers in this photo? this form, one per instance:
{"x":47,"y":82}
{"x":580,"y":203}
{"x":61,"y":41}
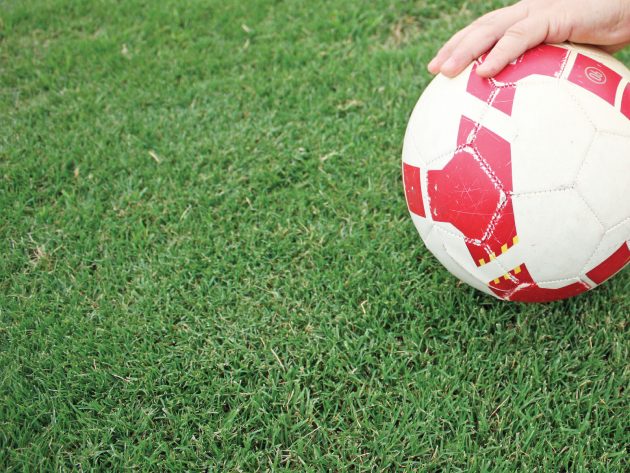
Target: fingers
{"x":445,"y":52}
{"x":474,"y":40}
{"x":477,"y":42}
{"x":517,"y":39}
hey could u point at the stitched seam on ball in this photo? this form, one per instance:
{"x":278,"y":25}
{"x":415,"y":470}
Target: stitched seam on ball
{"x":496,"y":261}
{"x":446,"y":153}
{"x":553,"y":281}
{"x":577,"y":191}
{"x":595,"y":131}
{"x":601,"y":243}
{"x":614,"y":227}
{"x":461,"y":266}
{"x":485,"y":167}
{"x":461,"y":237}
{"x":585,"y":157}
{"x":535,"y":193}
{"x":582,"y":109}
{"x":501,"y":267}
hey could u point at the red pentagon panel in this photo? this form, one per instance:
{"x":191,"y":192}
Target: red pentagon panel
{"x":473,"y":192}
{"x":625,"y":101}
{"x":518,"y":285}
{"x":497,"y":154}
{"x":499,"y":92}
{"x":500,"y":237}
{"x":595,"y":77}
{"x":464,"y":195}
{"x":611,"y":265}
{"x":413,"y":189}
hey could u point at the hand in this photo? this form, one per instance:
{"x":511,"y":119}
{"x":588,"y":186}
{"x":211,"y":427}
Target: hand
{"x":511,"y":31}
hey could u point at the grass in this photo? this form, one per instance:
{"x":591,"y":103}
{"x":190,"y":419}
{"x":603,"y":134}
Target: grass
{"x":207,"y":261}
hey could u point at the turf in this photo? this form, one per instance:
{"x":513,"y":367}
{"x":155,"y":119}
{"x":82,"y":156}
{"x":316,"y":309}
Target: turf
{"x":207,"y":261}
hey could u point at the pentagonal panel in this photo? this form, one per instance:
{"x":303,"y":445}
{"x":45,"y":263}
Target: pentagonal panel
{"x":604,"y":180}
{"x":553,"y":136}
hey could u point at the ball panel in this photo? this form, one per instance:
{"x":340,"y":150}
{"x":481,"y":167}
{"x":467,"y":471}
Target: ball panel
{"x":612,"y":240}
{"x":602,"y":115}
{"x":535,"y":293}
{"x":411,"y":155}
{"x":600,"y":55}
{"x":595,"y":77}
{"x":433,"y":127}
{"x":463,"y":194}
{"x":554,"y":135}
{"x":450,"y":250}
{"x":604,"y":180}
{"x":563,"y":283}
{"x":413,"y":189}
{"x":519,"y":285}
{"x":558,"y":233}
{"x":499,"y":92}
{"x":423,"y":225}
{"x":625,"y":101}
{"x":611,"y":265}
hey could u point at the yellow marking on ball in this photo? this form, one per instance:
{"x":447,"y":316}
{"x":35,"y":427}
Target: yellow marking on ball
{"x":506,"y":276}
{"x":482,"y":262}
{"x":515,"y":240}
{"x":493,"y":256}
{"x":517,"y":270}
{"x":504,"y":248}
{"x":496,"y":281}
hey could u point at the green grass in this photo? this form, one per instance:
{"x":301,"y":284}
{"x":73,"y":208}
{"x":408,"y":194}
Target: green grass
{"x":207,"y":261}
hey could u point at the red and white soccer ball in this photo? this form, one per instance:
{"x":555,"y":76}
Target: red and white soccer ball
{"x":520,"y":185}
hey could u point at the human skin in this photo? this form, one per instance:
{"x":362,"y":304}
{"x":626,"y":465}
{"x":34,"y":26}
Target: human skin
{"x":509,"y":32}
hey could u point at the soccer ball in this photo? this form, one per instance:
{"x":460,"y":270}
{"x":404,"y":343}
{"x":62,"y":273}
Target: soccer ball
{"x":520,"y":184}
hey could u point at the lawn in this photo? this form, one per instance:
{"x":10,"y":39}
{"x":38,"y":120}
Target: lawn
{"x":208,"y":263}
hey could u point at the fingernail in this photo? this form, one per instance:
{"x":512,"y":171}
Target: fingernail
{"x":432,"y":64}
{"x":484,"y":70}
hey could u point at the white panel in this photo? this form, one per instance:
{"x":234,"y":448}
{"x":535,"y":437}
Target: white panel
{"x":489,"y":117}
{"x":410,"y":154}
{"x":610,"y":243}
{"x":554,"y":135}
{"x":437,"y":242}
{"x":422,"y":224}
{"x":602,"y":114}
{"x":604,"y":180}
{"x":434,"y":122}
{"x":558,"y":283}
{"x":557,"y":232}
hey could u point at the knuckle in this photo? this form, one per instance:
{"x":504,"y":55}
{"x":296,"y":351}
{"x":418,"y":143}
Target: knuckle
{"x":517,"y":31}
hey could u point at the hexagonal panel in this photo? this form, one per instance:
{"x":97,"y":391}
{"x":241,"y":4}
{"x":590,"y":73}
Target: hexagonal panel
{"x":553,"y":136}
{"x":604,"y":180}
{"x":434,"y":123}
{"x":557,"y":233}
